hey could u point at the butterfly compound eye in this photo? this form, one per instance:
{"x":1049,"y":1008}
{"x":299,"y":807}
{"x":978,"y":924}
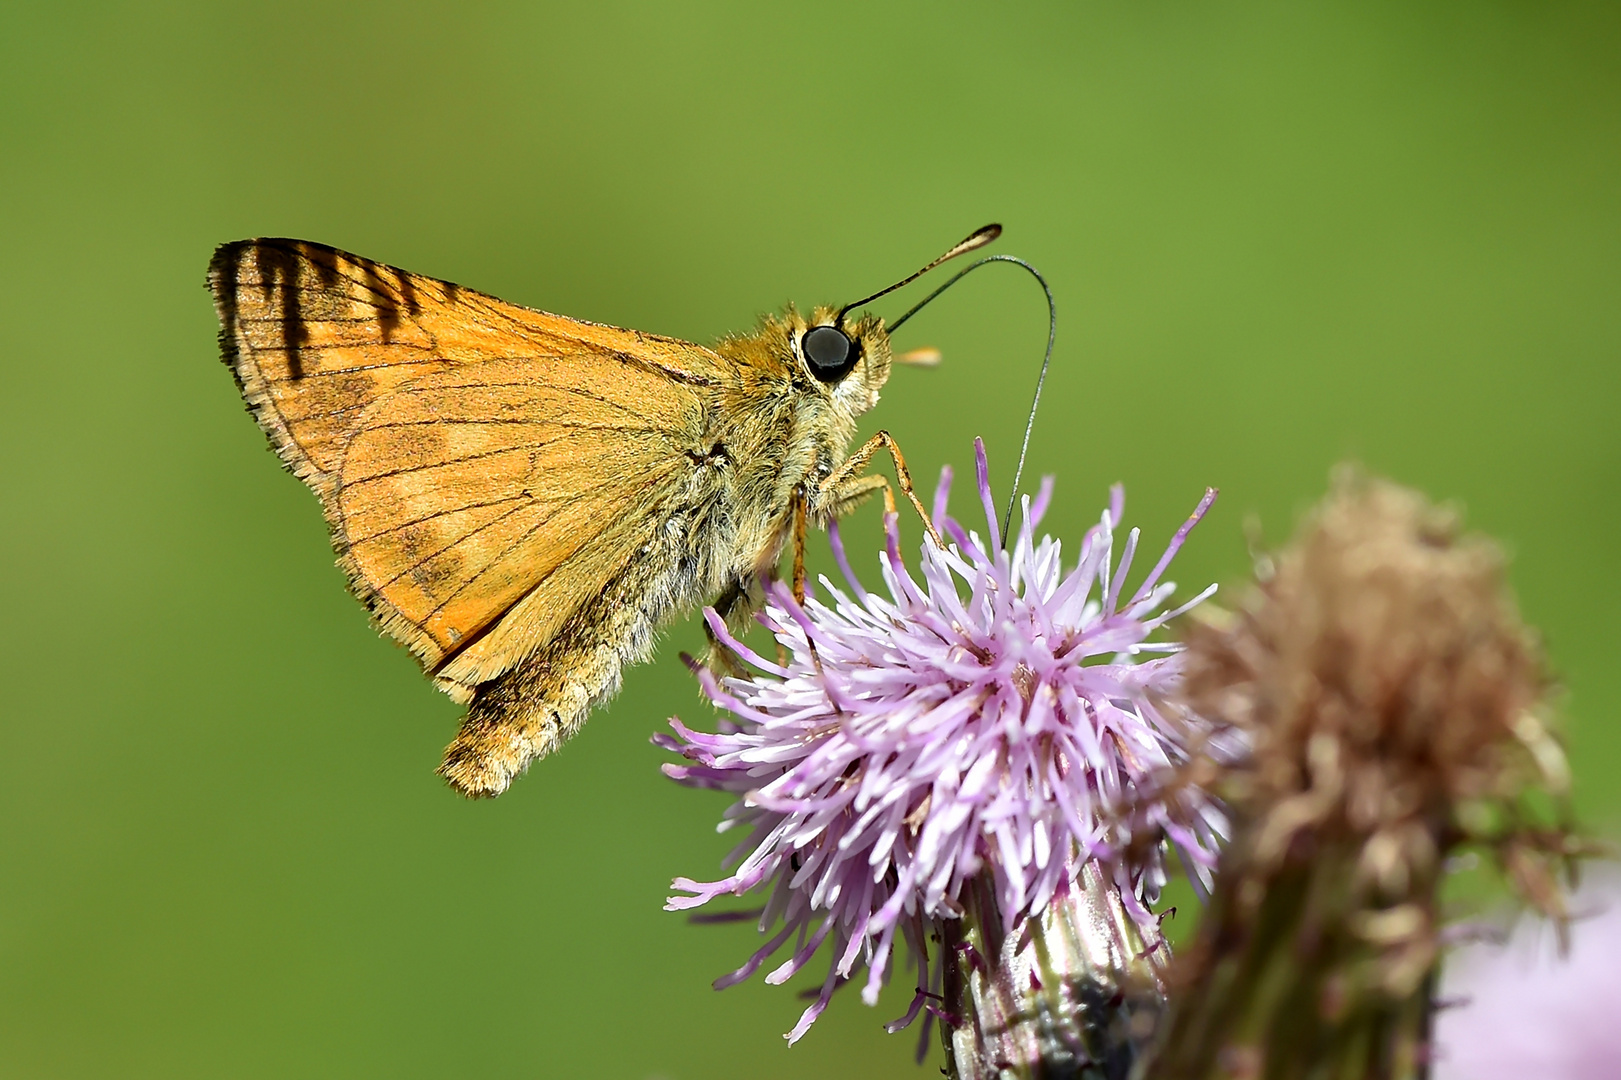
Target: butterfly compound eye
{"x":829,"y":352}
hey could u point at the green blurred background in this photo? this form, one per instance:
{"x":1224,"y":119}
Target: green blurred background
{"x":1281,"y":236}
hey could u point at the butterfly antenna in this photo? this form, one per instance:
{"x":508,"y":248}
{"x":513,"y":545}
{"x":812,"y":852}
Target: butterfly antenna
{"x":973,"y":241}
{"x":1046,"y":360}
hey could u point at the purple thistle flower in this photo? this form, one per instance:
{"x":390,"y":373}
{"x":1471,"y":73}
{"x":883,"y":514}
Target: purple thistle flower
{"x":993,"y":725}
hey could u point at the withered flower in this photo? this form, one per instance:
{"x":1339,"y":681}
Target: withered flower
{"x":1394,"y":707}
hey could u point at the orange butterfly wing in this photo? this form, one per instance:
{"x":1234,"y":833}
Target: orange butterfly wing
{"x":481,"y":464}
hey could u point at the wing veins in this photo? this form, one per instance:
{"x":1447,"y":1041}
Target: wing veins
{"x":362,"y":367}
{"x":404,"y":470}
{"x":689,"y":378}
{"x":454,"y":543}
{"x":351,"y":541}
{"x":309,"y":322}
{"x":511,"y":420}
{"x":301,"y":417}
{"x":503,"y":554}
{"x":578,"y":391}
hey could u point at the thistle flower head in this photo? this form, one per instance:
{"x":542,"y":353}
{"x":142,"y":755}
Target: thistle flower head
{"x":987,"y":722}
{"x":1392,"y":701}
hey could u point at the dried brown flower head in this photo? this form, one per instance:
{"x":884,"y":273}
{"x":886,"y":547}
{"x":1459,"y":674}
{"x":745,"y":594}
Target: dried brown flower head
{"x":1392,"y":703}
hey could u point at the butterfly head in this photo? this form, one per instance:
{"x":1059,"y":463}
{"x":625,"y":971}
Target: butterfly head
{"x":847,"y":359}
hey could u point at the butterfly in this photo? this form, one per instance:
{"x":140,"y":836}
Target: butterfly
{"x":523,"y":499}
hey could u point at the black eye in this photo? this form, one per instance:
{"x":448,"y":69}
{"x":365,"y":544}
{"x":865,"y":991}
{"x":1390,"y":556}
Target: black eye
{"x":829,"y":352}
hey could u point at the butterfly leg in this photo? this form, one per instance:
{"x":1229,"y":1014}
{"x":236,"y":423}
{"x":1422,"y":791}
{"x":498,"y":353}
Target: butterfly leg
{"x":801,"y":517}
{"x":854,"y":491}
{"x":842,"y":484}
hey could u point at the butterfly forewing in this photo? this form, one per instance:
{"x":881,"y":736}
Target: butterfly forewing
{"x":477,"y":460}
